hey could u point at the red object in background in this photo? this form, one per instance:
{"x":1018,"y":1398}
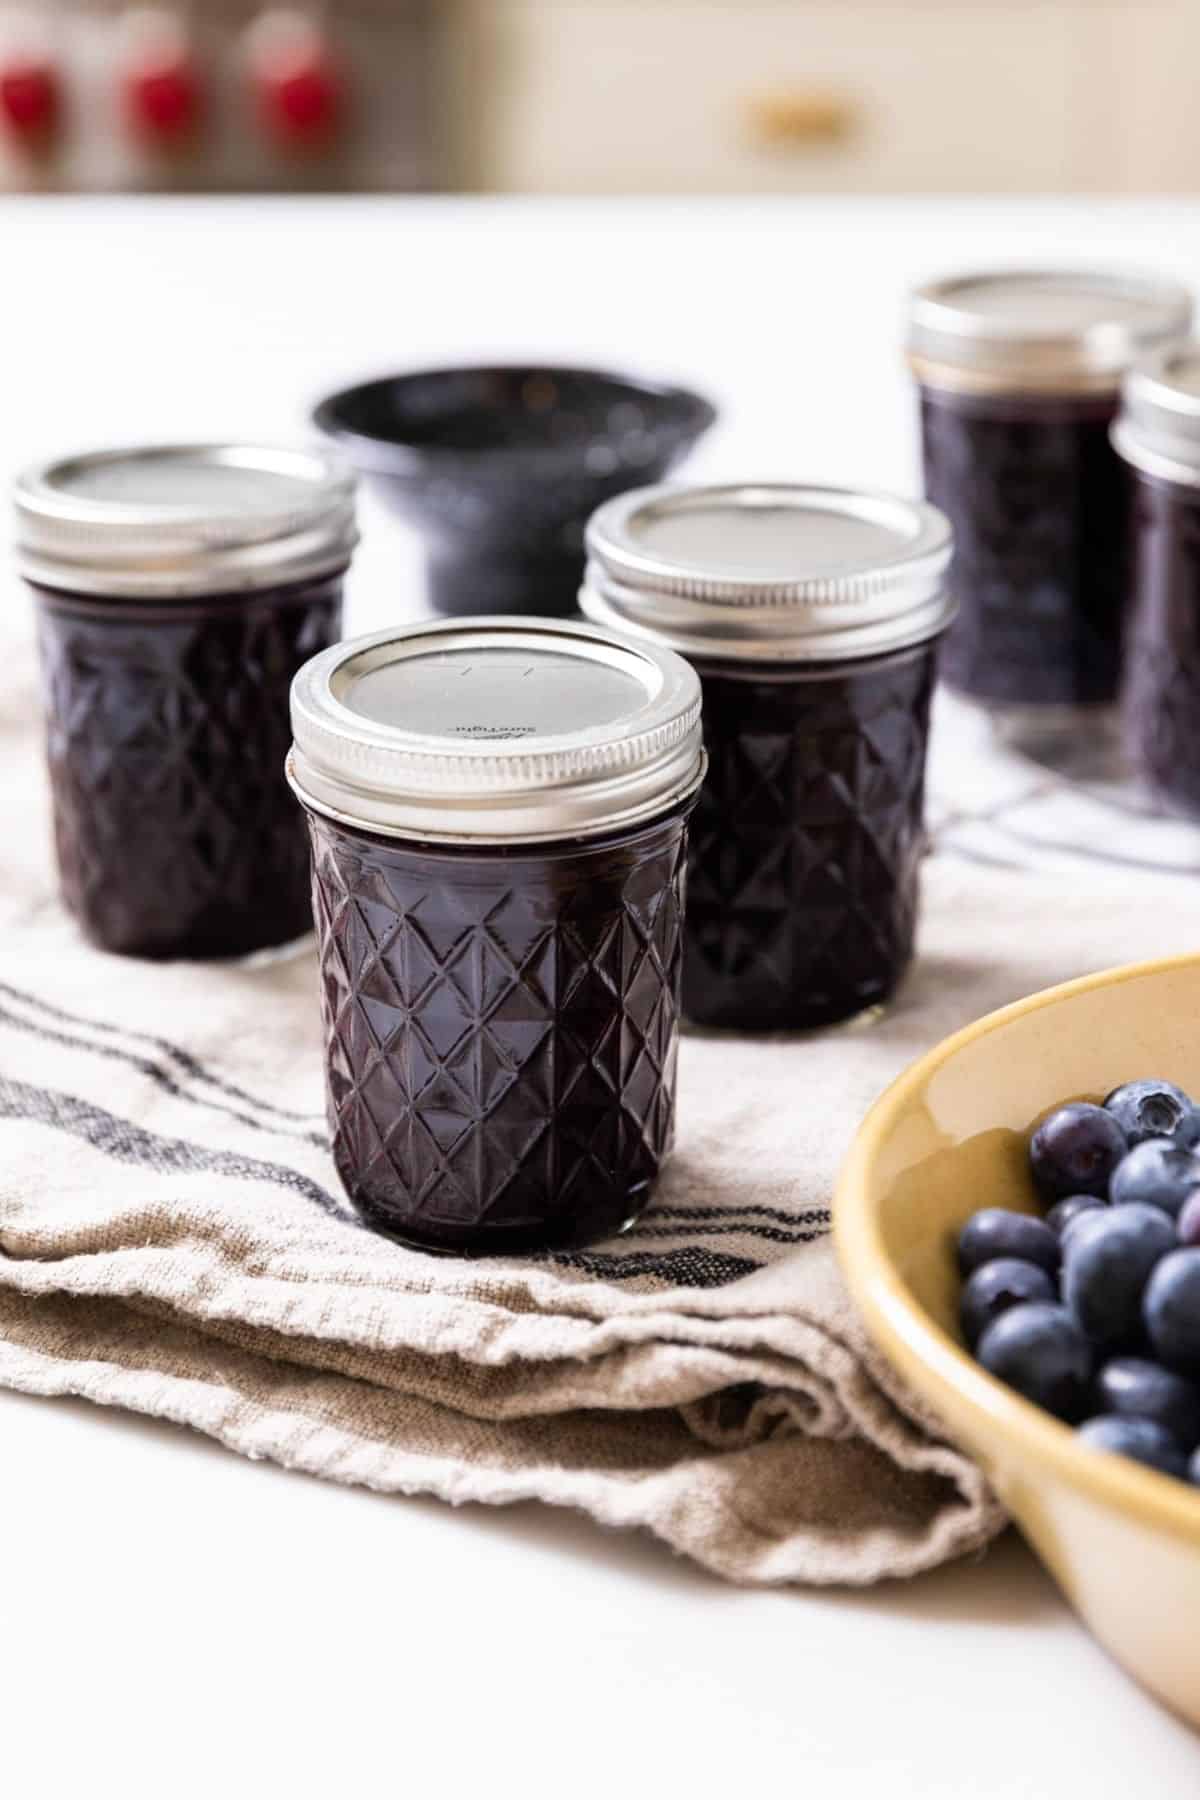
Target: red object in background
{"x":162,"y":89}
{"x":303,"y":104}
{"x":298,"y":85}
{"x":30,"y":99}
{"x":162,"y":101}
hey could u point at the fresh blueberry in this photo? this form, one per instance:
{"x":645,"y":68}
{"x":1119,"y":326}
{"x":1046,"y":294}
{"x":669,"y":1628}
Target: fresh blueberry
{"x":1156,"y":1174}
{"x":1063,"y":1211}
{"x":998,"y":1232}
{"x":1172,"y":1309}
{"x":1188,"y":1223}
{"x":1141,"y":1439}
{"x":1082,"y":1225}
{"x":1137,"y":1389}
{"x":1194,"y":1468}
{"x":996,"y":1286}
{"x":1155,"y":1109}
{"x":1075,"y":1150}
{"x":1039,"y":1350}
{"x":1107,"y":1266}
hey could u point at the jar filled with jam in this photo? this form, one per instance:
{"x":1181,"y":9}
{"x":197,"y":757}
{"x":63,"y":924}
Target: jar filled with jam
{"x":1019,"y":374}
{"x":498,"y":812}
{"x":178,"y":591}
{"x":1158,"y":435}
{"x":812,"y":617}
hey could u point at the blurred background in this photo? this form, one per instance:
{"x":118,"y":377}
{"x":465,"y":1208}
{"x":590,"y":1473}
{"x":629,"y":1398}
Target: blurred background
{"x":601,"y":96}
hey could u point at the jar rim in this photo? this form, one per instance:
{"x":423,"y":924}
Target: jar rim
{"x":1041,"y":330}
{"x":163,"y":521}
{"x":769,"y":571}
{"x":412,"y":732}
{"x":1158,"y":427}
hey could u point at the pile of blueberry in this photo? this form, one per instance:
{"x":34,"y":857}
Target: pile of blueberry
{"x":1094,"y":1310}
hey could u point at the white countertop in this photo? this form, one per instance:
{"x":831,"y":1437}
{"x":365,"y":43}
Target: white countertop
{"x":176,"y":1621}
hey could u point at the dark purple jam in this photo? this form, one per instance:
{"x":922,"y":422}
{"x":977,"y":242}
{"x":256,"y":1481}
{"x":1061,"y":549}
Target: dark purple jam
{"x":807,"y":839}
{"x":501,"y":1029}
{"x":167,"y":729}
{"x":1037,"y":498}
{"x":1162,"y":681}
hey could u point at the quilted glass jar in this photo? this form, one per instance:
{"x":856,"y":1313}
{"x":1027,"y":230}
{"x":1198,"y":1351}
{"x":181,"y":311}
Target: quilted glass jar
{"x":498,"y":813}
{"x":1019,"y":373}
{"x":1158,"y":435}
{"x":812,"y":617}
{"x":178,"y":592}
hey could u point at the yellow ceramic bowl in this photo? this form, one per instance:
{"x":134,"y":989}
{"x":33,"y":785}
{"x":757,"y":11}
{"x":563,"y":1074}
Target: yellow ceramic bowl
{"x":948,"y":1137}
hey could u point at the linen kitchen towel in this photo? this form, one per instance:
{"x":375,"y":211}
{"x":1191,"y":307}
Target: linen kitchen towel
{"x":173,"y":1240}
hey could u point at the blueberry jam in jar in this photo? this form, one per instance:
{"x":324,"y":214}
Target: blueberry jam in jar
{"x":498,"y":813}
{"x":812,"y":617}
{"x":1019,"y":373}
{"x":178,"y":591}
{"x":1158,"y":435}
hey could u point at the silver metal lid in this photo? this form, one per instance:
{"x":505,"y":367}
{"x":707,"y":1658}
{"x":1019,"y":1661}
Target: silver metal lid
{"x":1158,"y":427}
{"x":1041,"y":330}
{"x":175,"y":520}
{"x":494,"y":730}
{"x":769,"y":572}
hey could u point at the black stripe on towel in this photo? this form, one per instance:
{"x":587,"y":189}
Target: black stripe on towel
{"x":184,"y":1060}
{"x":153,"y":1072}
{"x":129,"y":1143}
{"x":780,"y":1214}
{"x":771,"y":1234}
{"x":691,"y":1267}
{"x":688,"y":1265}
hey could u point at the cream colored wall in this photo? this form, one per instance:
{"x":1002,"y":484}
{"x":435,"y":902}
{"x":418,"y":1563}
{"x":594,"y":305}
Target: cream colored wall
{"x":827,"y":95}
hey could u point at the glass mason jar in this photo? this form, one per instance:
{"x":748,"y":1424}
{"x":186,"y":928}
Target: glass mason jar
{"x":1019,"y":375}
{"x":1158,"y":435}
{"x":498,"y":812}
{"x":178,"y":591}
{"x":811,"y":616}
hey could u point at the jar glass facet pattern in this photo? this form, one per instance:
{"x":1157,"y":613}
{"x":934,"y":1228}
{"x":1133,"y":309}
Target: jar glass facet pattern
{"x":1038,"y":505}
{"x":166,"y":734}
{"x":807,"y":840}
{"x":500,"y":924}
{"x":501,"y":1031}
{"x":1019,"y":372}
{"x":1158,"y":435}
{"x":178,"y":591}
{"x":812,"y":616}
